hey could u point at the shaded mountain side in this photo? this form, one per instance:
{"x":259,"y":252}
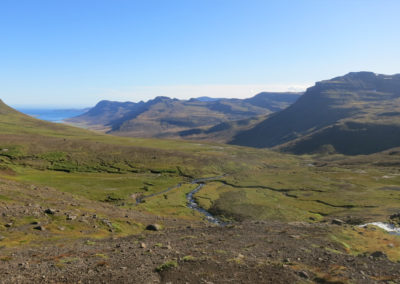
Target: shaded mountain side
{"x":350,"y":138}
{"x":297,"y":120}
{"x":273,"y":101}
{"x":325,"y":112}
{"x":221,"y":132}
{"x":164,"y":116}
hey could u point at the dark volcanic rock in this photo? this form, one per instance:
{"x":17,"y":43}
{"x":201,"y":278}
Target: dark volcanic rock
{"x":378,"y":254}
{"x":39,"y":228}
{"x":50,"y":211}
{"x":153,"y":227}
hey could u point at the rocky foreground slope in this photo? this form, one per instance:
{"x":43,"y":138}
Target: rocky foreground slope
{"x":258,"y":252}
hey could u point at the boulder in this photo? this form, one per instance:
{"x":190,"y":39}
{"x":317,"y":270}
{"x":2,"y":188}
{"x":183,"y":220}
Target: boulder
{"x":39,"y":228}
{"x":378,"y":254}
{"x":338,"y":222}
{"x":395,"y":219}
{"x":304,"y":274}
{"x":50,"y":211}
{"x":153,"y":227}
{"x":167,"y":247}
{"x":71,"y":217}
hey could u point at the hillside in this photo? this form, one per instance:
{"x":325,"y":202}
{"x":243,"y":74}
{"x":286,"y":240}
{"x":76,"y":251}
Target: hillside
{"x":15,"y":122}
{"x":165,"y":117}
{"x":222,"y":132}
{"x":358,"y":113}
{"x":82,"y":206}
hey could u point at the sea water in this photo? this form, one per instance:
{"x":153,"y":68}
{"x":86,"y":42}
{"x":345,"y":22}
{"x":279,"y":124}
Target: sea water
{"x":53,"y":115}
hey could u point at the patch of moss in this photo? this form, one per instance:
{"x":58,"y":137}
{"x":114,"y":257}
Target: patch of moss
{"x":167,"y":265}
{"x":189,"y":258}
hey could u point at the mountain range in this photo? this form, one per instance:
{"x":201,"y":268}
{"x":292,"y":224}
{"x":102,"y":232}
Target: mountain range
{"x":166,"y":117}
{"x":358,"y":113}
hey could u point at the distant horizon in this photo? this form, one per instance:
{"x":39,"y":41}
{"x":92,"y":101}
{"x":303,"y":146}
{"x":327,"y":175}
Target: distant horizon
{"x":146,"y":93}
{"x":212,"y":91}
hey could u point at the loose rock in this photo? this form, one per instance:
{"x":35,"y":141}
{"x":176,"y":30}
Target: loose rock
{"x":378,"y":254}
{"x":39,"y":228}
{"x":153,"y":227}
{"x":304,"y":274}
{"x":71,"y":217}
{"x":50,"y":211}
{"x":338,"y":222}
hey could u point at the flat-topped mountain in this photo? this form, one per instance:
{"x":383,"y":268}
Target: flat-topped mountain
{"x":354,"y":114}
{"x":166,"y":117}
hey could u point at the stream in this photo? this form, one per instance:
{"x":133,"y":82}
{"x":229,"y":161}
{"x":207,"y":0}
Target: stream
{"x":191,"y":202}
{"x":390,"y":228}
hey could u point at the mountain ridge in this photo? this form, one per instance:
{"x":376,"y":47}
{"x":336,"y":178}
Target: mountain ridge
{"x":163,"y":116}
{"x":362,"y":97}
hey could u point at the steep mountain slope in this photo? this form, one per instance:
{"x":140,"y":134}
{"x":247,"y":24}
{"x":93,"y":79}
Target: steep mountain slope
{"x":222,"y":132}
{"x":273,"y":101}
{"x":165,"y":117}
{"x":358,"y":113}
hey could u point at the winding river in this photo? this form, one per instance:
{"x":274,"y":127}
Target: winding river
{"x":192,"y":204}
{"x":191,"y":201}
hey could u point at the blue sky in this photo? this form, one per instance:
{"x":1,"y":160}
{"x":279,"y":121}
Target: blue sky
{"x":72,"y":53}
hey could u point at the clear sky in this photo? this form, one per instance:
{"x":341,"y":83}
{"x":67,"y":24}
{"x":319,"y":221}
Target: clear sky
{"x":72,"y":53}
